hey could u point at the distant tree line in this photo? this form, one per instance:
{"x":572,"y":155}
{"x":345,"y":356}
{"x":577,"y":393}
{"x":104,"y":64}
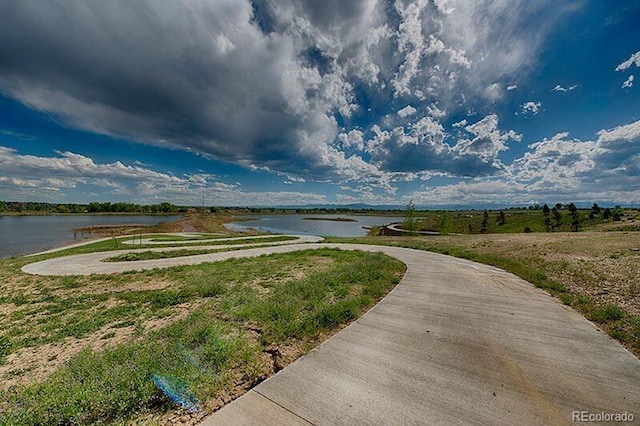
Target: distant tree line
{"x":93,"y":207}
{"x":315,"y":210}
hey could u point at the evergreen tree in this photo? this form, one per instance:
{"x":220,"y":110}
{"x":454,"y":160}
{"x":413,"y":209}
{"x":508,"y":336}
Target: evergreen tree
{"x":557,"y":215}
{"x":547,"y":220}
{"x":485,"y":222}
{"x":502,"y":218}
{"x":575,"y":217}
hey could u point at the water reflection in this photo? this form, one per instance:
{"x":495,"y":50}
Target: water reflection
{"x":325,"y":225}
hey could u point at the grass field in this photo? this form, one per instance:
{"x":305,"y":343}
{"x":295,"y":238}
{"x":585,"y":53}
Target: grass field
{"x":519,"y":220}
{"x":82,"y":350}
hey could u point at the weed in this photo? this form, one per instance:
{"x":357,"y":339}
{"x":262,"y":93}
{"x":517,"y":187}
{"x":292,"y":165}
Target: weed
{"x":606,"y":313}
{"x":109,"y":335}
{"x":5,"y":347}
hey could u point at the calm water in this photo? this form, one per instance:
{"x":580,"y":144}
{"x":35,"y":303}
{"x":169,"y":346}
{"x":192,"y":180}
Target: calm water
{"x":30,"y":234}
{"x":295,"y":224}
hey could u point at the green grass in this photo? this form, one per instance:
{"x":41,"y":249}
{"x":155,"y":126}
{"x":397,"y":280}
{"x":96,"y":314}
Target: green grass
{"x":98,"y":388}
{"x":168,"y":254}
{"x":298,"y":295}
{"x":151,"y":255}
{"x":180,"y":238}
{"x":465,"y":222}
{"x":116,"y":243}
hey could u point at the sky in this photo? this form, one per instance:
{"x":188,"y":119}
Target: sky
{"x":296,"y":102}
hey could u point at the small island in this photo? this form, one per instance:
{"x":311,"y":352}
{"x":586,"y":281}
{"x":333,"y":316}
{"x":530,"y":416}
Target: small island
{"x":331,"y":219}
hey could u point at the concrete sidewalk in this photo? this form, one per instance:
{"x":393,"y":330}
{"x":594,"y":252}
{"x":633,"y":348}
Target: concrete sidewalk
{"x":94,"y":263}
{"x":455,"y":343}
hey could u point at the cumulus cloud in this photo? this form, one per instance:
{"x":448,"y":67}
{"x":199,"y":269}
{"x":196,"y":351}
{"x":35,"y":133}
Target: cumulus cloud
{"x":407,"y":111}
{"x":276,"y":85}
{"x":68,"y":170}
{"x":559,"y":168}
{"x":421,"y":147}
{"x":559,"y":88}
{"x":512,"y":87}
{"x":71,"y":165}
{"x":461,"y":123}
{"x":531,"y":108}
{"x":54,"y":176}
{"x":628,"y":132}
{"x":628,"y":82}
{"x":633,"y":59}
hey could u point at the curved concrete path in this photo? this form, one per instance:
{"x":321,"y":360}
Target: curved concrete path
{"x":455,"y":343}
{"x":151,"y":240}
{"x":93,"y":263}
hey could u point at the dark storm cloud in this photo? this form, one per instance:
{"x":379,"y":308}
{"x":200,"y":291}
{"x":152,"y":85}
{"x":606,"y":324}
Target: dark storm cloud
{"x":268,"y":83}
{"x":180,"y":73}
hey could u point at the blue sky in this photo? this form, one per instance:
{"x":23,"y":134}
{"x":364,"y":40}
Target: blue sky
{"x":282,"y":102}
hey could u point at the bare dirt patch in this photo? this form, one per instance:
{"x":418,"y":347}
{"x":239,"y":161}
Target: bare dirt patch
{"x":35,"y":363}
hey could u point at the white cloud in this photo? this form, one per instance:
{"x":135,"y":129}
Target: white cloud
{"x":488,"y":142}
{"x":419,"y":150}
{"x":493,"y":92}
{"x":435,"y":112}
{"x":407,"y":111}
{"x":556,"y":169}
{"x":460,"y":123}
{"x":71,"y":165}
{"x":44,"y":177}
{"x":411,"y":44}
{"x":441,"y":5}
{"x":53,"y":178}
{"x":365,"y":196}
{"x":629,"y":132}
{"x":532,"y":108}
{"x":18,"y":135}
{"x":628,"y":82}
{"x":559,"y":88}
{"x":512,"y":87}
{"x":353,"y":139}
{"x":554,"y":163}
{"x":633,"y":59}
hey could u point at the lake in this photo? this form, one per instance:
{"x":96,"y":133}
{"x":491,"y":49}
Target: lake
{"x":297,"y":224}
{"x":30,"y":234}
